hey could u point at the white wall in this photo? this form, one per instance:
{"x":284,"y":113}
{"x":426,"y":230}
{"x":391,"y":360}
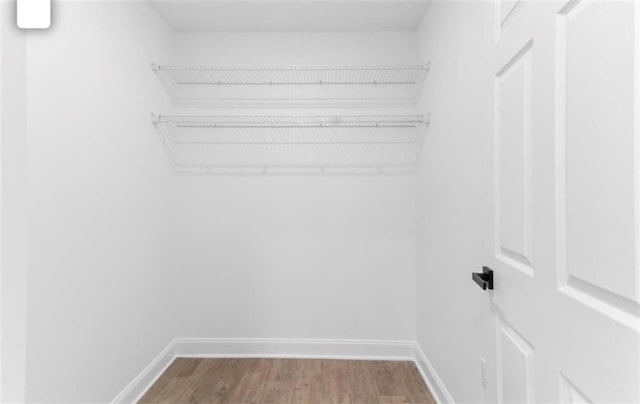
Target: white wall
{"x":99,"y":279}
{"x":296,"y":256}
{"x":298,"y":49}
{"x":453,"y":320}
{"x":13,"y":59}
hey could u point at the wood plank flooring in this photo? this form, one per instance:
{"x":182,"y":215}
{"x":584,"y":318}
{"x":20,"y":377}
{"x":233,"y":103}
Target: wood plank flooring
{"x":288,"y":381}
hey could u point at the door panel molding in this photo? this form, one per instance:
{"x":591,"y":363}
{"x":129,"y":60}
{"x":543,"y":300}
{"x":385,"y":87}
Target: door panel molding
{"x":593,"y":270}
{"x":569,"y":393}
{"x":514,"y":385}
{"x":512,"y":170}
{"x":505,"y":12}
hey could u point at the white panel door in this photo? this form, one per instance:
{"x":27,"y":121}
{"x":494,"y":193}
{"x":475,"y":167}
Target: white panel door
{"x":565,"y":201}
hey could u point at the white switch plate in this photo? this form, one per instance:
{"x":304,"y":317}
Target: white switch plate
{"x":33,"y":14}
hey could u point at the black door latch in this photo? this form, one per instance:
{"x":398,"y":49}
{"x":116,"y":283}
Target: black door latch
{"x":484,"y":279}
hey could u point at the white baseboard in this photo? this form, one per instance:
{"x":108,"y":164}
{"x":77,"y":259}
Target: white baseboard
{"x":284,"y":348}
{"x":431,"y":378}
{"x":294,"y":348}
{"x":134,"y":391}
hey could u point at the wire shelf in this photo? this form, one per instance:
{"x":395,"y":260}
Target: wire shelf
{"x":319,"y":144}
{"x":287,"y":75}
{"x":228,"y":86}
{"x":221,"y":121}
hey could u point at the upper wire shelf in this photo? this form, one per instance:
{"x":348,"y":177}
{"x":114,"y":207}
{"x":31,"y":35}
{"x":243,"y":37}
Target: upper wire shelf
{"x":291,"y":86}
{"x":287,"y":75}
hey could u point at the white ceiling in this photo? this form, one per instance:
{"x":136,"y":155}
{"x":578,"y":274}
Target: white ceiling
{"x":291,"y":15}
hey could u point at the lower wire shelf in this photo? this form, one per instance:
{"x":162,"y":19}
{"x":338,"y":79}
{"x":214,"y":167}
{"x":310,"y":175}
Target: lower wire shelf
{"x":311,"y":145}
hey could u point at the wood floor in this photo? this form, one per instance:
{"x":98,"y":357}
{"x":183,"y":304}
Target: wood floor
{"x":288,"y":381}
